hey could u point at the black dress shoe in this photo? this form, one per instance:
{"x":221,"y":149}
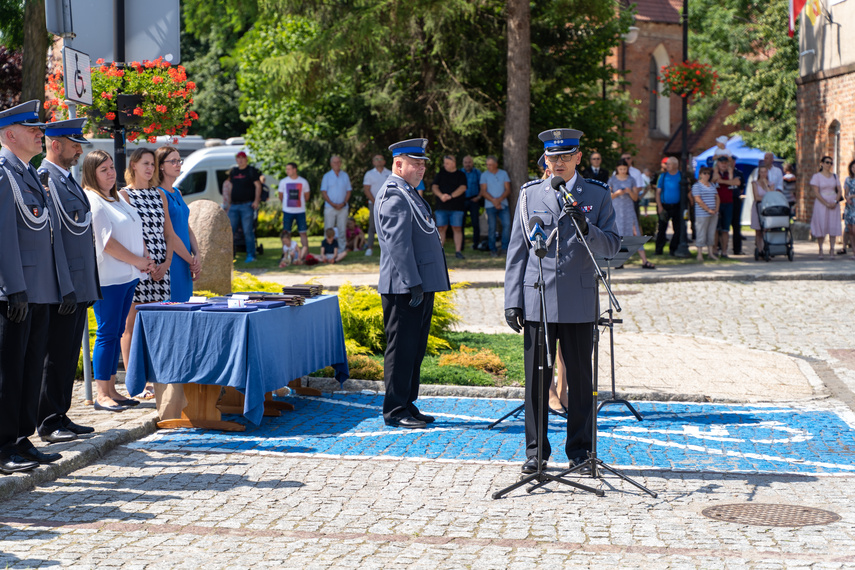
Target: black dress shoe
{"x":78,"y":429}
{"x":424,"y":418}
{"x":408,"y":422}
{"x":129,"y":402}
{"x":102,"y":408}
{"x":585,"y":469}
{"x":14,"y":463}
{"x":530,"y":465}
{"x":34,"y":454}
{"x":59,"y":436}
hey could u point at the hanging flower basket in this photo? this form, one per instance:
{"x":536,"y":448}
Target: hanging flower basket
{"x":689,"y":79}
{"x":150,"y":98}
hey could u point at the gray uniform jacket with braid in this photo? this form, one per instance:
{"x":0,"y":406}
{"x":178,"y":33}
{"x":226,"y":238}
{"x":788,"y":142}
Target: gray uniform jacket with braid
{"x":79,"y":242}
{"x":571,"y":287}
{"x":32,"y":260}
{"x":410,"y":251}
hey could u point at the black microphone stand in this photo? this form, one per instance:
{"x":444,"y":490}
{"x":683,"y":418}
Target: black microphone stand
{"x":594,"y":463}
{"x":543,"y":355}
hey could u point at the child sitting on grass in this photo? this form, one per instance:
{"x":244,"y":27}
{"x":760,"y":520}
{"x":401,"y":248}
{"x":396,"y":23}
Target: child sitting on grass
{"x":329,"y":248}
{"x":291,"y":252}
{"x":354,"y":238}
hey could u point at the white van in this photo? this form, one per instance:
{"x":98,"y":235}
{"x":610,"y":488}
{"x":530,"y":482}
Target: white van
{"x":204,"y":172}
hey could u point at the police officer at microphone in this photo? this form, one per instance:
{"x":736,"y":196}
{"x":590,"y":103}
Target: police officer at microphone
{"x":570,"y":285}
{"x":33,"y":276}
{"x":63,"y":150}
{"x":412,"y":269}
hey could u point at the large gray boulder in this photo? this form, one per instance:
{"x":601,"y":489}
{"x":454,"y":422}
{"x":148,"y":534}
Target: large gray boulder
{"x":214,"y":235}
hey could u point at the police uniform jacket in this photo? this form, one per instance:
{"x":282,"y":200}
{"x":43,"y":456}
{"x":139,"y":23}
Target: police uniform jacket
{"x":72,"y":207}
{"x":568,"y":271}
{"x":411,"y":253}
{"x":32,"y":260}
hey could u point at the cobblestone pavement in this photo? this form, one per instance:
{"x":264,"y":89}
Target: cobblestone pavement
{"x":142,"y":506}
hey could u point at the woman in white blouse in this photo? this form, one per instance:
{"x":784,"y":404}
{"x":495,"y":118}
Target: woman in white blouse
{"x":122,"y":262}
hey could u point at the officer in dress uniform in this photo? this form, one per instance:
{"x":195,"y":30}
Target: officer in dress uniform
{"x":570,"y":286}
{"x":33,"y":275}
{"x":62,"y":145}
{"x":412,"y":269}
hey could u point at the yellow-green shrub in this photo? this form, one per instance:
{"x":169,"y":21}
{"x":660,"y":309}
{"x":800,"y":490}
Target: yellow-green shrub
{"x":483,"y":359}
{"x":361,"y":218}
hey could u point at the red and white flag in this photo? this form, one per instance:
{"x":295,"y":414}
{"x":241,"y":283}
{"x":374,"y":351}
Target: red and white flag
{"x":796,"y":7}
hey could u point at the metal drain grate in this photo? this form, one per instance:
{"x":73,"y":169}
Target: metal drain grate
{"x":770,"y":515}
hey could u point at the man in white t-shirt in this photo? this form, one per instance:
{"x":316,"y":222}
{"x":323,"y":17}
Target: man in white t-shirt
{"x":293,"y":193}
{"x":336,"y":189}
{"x":371,"y":184}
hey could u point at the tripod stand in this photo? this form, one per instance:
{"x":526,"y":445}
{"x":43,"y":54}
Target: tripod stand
{"x":543,"y":357}
{"x":629,"y":245}
{"x":594,"y":463}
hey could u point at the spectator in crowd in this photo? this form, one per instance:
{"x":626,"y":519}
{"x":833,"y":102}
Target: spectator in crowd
{"x":738,"y":200}
{"x":495,"y":188}
{"x":186,"y":265}
{"x":291,"y":254}
{"x":646,"y":189}
{"x":720,"y":148}
{"x":329,"y":248}
{"x":725,"y":178}
{"x":449,"y":187}
{"x":776,"y":175}
{"x":336,"y":189}
{"x":634,"y":173}
{"x":596,"y":171}
{"x":825,"y":220}
{"x":849,"y":210}
{"x":707,"y":202}
{"x":143,"y":194}
{"x":624,"y":194}
{"x":354,"y":238}
{"x":293,"y":194}
{"x":472,"y":203}
{"x":123,"y":261}
{"x":668,"y":206}
{"x":421,"y":188}
{"x":789,"y":186}
{"x":371,"y":184}
{"x":762,"y":186}
{"x":241,"y":200}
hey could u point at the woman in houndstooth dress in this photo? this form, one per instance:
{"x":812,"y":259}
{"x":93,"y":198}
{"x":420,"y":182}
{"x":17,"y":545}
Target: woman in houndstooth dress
{"x":150,"y":202}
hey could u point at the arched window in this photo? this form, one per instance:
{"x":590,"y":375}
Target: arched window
{"x":660,"y":107}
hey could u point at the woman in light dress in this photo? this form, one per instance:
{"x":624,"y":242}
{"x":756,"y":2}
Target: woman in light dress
{"x":825,"y":220}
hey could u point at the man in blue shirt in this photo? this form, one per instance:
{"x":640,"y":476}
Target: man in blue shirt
{"x":668,"y":206}
{"x":473,"y":198}
{"x":495,"y":188}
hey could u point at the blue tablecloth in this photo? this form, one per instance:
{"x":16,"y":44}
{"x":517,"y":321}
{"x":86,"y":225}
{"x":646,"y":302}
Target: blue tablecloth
{"x":254,"y":352}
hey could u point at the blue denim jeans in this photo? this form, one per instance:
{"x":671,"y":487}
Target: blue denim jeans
{"x":243,"y":214}
{"x":505,"y":219}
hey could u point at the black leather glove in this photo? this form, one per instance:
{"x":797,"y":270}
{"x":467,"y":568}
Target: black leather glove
{"x":515,"y":318}
{"x":575,"y":211}
{"x":17,"y":310}
{"x":69,"y":304}
{"x":418,"y":295}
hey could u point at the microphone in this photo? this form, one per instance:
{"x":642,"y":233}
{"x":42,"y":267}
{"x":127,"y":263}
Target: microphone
{"x":558,"y":184}
{"x":537,"y":235}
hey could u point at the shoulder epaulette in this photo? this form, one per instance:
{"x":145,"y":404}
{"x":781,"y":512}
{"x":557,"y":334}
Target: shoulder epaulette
{"x":531,"y":183}
{"x":42,"y":169}
{"x":2,"y":161}
{"x":597,"y":182}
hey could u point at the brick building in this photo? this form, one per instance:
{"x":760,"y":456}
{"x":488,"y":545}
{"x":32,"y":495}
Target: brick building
{"x":656,"y":129}
{"x":826,"y":96}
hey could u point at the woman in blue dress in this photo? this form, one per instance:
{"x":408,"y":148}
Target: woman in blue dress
{"x":185,"y":263}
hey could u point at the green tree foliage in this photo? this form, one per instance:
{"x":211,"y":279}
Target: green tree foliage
{"x":351,"y":77}
{"x":746,"y":41}
{"x":211,"y":30}
{"x":12,"y":24}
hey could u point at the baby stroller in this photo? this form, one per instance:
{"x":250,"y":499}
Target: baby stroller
{"x":774,"y":213}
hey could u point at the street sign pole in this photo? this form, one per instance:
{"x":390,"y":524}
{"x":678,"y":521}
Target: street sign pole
{"x":119,"y":156}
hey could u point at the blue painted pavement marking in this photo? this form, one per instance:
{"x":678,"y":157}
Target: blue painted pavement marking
{"x":673,"y":436}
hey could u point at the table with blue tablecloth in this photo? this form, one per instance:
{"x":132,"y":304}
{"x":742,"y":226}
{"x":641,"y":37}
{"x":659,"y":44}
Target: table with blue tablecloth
{"x":255,"y":352}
